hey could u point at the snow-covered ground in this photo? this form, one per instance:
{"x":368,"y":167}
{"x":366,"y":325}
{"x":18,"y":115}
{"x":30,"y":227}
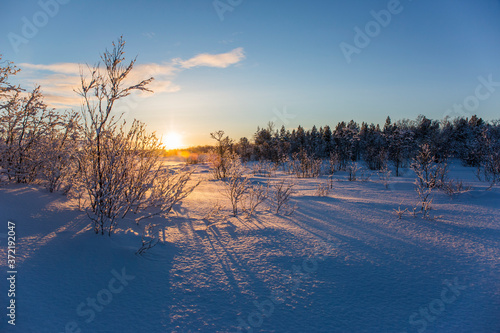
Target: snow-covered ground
{"x":340,"y":263}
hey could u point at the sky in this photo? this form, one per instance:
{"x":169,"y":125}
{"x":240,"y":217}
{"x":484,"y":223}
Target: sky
{"x":234,"y":65}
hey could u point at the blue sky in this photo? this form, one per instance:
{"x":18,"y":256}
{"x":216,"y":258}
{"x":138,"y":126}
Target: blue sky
{"x":278,"y":61}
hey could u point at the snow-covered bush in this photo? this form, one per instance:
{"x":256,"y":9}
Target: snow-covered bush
{"x":400,"y":212}
{"x":36,"y":142}
{"x":221,"y":157}
{"x":282,"y":192}
{"x":322,"y":190}
{"x":255,"y":196}
{"x":25,"y":126}
{"x":334,"y":163}
{"x":430,"y":173}
{"x":427,"y":171}
{"x":454,"y":187}
{"x":490,"y":162}
{"x":119,"y":166}
{"x":305,"y":166}
{"x":384,"y":174}
{"x":235,"y":184}
{"x":213,"y":212}
{"x":491,"y":168}
{"x":263,"y":168}
{"x":364,"y":174}
{"x":352,"y":170}
{"x":60,"y":167}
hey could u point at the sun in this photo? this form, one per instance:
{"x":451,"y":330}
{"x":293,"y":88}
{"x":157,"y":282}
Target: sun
{"x":172,"y":140}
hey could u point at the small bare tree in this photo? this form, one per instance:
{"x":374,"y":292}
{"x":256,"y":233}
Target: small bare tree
{"x":334,"y":163}
{"x":454,"y":187}
{"x":235,"y":184}
{"x":26,"y":124}
{"x":282,"y":193}
{"x":352,"y":169}
{"x":60,"y":167}
{"x":256,"y":195}
{"x":263,"y":168}
{"x":7,"y":90}
{"x":426,"y":171}
{"x":490,"y":164}
{"x":120,"y":167}
{"x":221,"y":156}
{"x":400,"y":212}
{"x":322,"y":190}
{"x":305,"y":165}
{"x":384,"y":174}
{"x":36,"y":142}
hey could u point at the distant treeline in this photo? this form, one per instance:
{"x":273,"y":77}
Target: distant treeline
{"x":468,"y":139}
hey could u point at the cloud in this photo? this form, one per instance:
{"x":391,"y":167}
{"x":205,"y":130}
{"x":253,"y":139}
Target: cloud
{"x":65,"y":68}
{"x":61,"y":102}
{"x":222,"y":60}
{"x":163,"y":75}
{"x":57,"y":88}
{"x":59,"y":81}
{"x":149,"y":35}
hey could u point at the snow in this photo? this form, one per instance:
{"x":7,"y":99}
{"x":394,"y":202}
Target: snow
{"x":340,"y":263}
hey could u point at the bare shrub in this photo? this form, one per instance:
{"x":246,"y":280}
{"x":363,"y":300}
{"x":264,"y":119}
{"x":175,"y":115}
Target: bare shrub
{"x":36,"y":142}
{"x":352,"y":170}
{"x":235,"y":184}
{"x":222,"y":155}
{"x":149,"y":239}
{"x":281,"y":195}
{"x":167,"y":188}
{"x":256,"y":195}
{"x":60,"y":167}
{"x":364,"y":175}
{"x":263,"y":168}
{"x":426,"y":170}
{"x":305,"y":166}
{"x":287,"y":165}
{"x":400,"y":212}
{"x":330,"y":182}
{"x":384,"y":174}
{"x":26,"y":126}
{"x":335,"y":163}
{"x":119,"y":167}
{"x":454,"y":187}
{"x":214,"y":211}
{"x":322,"y":190}
{"x":490,"y":163}
{"x":193,"y":159}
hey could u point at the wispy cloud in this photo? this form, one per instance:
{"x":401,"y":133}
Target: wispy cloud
{"x":149,"y":35}
{"x":64,"y":68}
{"x":222,"y":60}
{"x":163,"y":75}
{"x":57,"y":88}
{"x":58,"y":81}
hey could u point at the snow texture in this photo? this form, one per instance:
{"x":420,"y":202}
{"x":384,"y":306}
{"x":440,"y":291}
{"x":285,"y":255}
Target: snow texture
{"x":341,"y":263}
